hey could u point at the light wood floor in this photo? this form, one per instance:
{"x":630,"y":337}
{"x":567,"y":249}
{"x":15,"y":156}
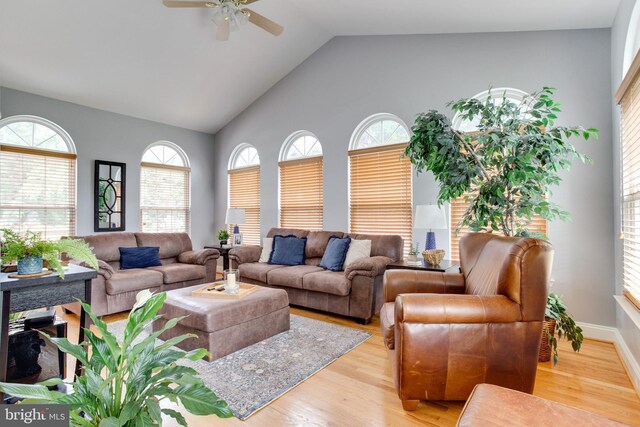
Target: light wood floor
{"x":357,"y":389}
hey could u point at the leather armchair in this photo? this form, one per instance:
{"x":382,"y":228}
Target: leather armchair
{"x":448,"y":332}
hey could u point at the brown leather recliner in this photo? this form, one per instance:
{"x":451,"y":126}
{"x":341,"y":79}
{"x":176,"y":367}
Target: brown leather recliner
{"x":448,"y":332}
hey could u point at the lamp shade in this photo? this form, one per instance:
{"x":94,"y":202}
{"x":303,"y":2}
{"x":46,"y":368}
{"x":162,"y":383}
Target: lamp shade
{"x":430,"y":217}
{"x":235,"y":216}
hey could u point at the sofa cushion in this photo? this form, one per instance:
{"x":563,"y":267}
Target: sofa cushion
{"x":335,"y":254}
{"x":290,"y":277}
{"x":288,"y":250}
{"x":105,"y":245}
{"x":140,"y":257}
{"x":256,"y":270}
{"x":177,"y":272}
{"x":287,"y":231}
{"x":329,"y":282}
{"x":171,"y":244}
{"x":135,"y":279}
{"x":267,"y":247}
{"x":317,"y":242}
{"x":389,"y":245}
{"x":388,"y":323}
{"x":358,"y":249}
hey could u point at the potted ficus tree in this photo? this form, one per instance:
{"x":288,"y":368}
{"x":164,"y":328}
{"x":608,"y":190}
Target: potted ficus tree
{"x":124,"y":382}
{"x":505,"y":168}
{"x":30,"y":251}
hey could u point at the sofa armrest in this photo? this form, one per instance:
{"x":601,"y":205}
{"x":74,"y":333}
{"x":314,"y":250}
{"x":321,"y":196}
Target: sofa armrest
{"x":104,"y":269}
{"x":244,"y":254}
{"x":438,"y":308}
{"x":370,"y":267}
{"x":420,"y":281}
{"x":198,"y":257}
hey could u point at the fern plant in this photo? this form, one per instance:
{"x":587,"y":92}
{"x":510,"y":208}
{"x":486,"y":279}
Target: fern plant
{"x":15,"y":247}
{"x":125,"y":381}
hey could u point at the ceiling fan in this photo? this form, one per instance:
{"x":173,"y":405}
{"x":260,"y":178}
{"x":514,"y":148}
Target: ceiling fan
{"x":229,"y":15}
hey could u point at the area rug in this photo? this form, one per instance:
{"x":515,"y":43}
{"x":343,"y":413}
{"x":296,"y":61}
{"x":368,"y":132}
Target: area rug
{"x":251,"y":378}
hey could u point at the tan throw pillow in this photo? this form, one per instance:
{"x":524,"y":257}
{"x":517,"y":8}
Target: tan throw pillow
{"x":267,"y":245}
{"x":358,"y":249}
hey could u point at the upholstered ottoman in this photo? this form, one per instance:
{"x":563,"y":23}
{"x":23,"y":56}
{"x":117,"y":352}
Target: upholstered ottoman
{"x":225,"y":325}
{"x":493,"y":406}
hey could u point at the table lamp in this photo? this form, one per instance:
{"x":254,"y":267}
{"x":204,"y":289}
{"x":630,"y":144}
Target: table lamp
{"x":235,"y":216}
{"x":430,"y":217}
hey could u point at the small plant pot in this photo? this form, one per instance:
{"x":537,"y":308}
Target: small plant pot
{"x":412,"y":258}
{"x":30,"y":265}
{"x":223,"y":242}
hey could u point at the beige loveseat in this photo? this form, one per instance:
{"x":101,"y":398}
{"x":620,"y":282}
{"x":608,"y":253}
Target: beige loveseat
{"x":115,"y":290}
{"x":355,"y":292}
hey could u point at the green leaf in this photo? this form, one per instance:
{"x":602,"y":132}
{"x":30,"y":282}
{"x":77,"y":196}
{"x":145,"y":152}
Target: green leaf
{"x":199,"y":400}
{"x":154,"y":410}
{"x":29,"y":391}
{"x":176,"y":416}
{"x":68,"y":347}
{"x":109,"y":422}
{"x":129,"y":411}
{"x":197,"y":354}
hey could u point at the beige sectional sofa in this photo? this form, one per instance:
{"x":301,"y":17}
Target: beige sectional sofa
{"x":115,"y":290}
{"x":354,"y":292}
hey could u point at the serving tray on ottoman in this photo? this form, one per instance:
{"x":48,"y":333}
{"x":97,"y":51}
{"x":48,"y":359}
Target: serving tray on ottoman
{"x":210,"y":291}
{"x":223,"y":325}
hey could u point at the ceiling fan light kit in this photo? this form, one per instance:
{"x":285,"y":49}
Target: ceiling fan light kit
{"x":230,"y":15}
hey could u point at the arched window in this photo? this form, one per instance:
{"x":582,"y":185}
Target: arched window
{"x":244,"y":190}
{"x":165,"y":189}
{"x":37,"y":177}
{"x":301,"y":181}
{"x":380,"y":185}
{"x":459,"y":206}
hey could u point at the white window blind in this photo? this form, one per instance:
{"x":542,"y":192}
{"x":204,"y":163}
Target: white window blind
{"x":244,"y":193}
{"x":301,"y":194}
{"x":628,"y":96}
{"x":380,"y":199}
{"x":38,"y":191}
{"x":165,"y":204}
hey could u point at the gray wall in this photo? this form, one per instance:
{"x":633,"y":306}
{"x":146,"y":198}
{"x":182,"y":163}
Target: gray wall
{"x":628,"y":329}
{"x":100,"y":135}
{"x":350,"y":78}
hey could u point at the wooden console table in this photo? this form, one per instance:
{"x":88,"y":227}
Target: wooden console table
{"x":30,"y":294}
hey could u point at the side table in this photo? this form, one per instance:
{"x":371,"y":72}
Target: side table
{"x":224,"y":251}
{"x":445,"y":265}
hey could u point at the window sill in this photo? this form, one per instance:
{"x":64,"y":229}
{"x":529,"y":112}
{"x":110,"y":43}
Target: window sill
{"x":629,"y":309}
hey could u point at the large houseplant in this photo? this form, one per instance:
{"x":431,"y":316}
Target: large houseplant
{"x":30,"y":250}
{"x":505,"y":168}
{"x":124,"y":381}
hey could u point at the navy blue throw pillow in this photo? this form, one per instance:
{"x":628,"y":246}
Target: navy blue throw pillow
{"x":288,"y":250}
{"x":335,"y":254}
{"x":140,"y":257}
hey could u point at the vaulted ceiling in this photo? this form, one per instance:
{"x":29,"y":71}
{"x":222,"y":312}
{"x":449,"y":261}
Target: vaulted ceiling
{"x":139,"y":58}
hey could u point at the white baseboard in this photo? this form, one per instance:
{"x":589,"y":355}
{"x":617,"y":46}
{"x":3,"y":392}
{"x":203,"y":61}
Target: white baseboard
{"x":630,"y":362}
{"x":610,"y":334}
{"x":598,"y":332}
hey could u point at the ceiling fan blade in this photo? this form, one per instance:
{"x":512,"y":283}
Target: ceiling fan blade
{"x":264,"y":23}
{"x":223,"y":31}
{"x":171,"y":3}
{"x":248,"y":1}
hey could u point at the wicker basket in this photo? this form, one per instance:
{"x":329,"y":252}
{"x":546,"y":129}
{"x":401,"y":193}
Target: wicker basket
{"x":549,"y":327}
{"x":433,"y":256}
